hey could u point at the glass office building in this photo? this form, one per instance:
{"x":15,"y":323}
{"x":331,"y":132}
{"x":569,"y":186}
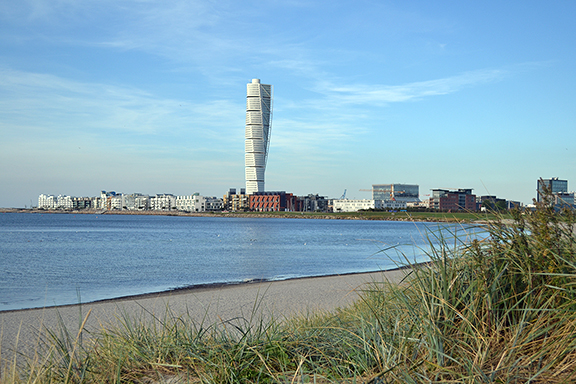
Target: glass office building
{"x":553,"y":185}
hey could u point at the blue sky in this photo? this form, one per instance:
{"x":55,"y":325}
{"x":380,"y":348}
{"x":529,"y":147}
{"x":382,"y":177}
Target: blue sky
{"x":149,"y":96}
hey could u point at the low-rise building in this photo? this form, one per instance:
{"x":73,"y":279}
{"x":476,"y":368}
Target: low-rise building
{"x":311,"y":203}
{"x":213,"y":204}
{"x":424,"y":204}
{"x":135,"y":202}
{"x":458,"y":200}
{"x":272,"y":201}
{"x":354,"y":205}
{"x":47,"y":201}
{"x":191,"y":203}
{"x":490,"y":203}
{"x":114,"y":203}
{"x":79,"y":203}
{"x":233,"y":201}
{"x":65,"y":202}
{"x":163,"y":202}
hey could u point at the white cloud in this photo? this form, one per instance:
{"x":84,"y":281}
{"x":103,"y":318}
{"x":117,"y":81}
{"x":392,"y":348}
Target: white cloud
{"x":362,"y":94}
{"x":51,"y":101}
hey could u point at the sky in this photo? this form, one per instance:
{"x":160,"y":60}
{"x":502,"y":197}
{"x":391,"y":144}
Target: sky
{"x":149,"y":96}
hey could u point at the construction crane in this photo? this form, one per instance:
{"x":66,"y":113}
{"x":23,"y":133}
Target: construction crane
{"x":381,"y":190}
{"x":343,"y":195}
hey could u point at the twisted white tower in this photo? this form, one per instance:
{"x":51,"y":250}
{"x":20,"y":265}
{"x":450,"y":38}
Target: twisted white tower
{"x":258,"y":127}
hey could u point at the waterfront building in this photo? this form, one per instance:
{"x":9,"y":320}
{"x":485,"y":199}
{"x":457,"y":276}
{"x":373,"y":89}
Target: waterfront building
{"x":114,"y":203}
{"x":64,"y":202}
{"x":213,"y":204}
{"x":490,"y":203}
{"x":311,"y":203}
{"x":197,"y":203}
{"x":47,"y":201}
{"x":564,"y":200}
{"x":257,"y":137}
{"x":396,"y":192}
{"x":163,"y":202}
{"x":458,"y":200}
{"x":553,"y":185}
{"x":233,"y":201}
{"x":79,"y":203}
{"x":272,"y":201}
{"x":191,"y":203}
{"x":135,"y":202}
{"x":110,"y":200}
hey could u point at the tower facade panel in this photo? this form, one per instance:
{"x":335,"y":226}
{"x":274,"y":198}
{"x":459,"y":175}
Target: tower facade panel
{"x":258,"y":125}
{"x":255,"y":146}
{"x":257,"y":160}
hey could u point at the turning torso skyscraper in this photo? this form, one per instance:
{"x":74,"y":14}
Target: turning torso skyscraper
{"x":258,"y":127}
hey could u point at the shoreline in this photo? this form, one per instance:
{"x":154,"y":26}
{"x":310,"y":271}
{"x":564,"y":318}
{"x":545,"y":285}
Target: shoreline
{"x":198,"y":287}
{"x":23,"y":331}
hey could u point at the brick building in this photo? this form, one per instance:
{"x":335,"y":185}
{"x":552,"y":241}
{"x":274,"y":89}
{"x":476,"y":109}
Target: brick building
{"x":459,"y":200}
{"x":272,"y":201}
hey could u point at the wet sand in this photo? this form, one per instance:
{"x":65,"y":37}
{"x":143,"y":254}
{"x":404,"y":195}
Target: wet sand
{"x":23,"y":330}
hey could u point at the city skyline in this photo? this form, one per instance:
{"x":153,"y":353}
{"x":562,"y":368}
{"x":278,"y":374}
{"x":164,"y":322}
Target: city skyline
{"x":150,"y":97}
{"x":389,"y":195}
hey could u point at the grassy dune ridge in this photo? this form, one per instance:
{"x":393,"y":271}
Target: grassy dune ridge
{"x":495,"y":310}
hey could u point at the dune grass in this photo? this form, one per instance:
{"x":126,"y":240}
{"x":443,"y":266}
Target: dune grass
{"x":499,"y":309}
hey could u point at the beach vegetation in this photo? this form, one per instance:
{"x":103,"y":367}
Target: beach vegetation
{"x":499,"y":308}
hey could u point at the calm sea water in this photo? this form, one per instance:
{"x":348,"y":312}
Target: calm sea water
{"x":55,"y":259}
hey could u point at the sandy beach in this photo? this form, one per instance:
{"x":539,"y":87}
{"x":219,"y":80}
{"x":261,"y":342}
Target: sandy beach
{"x":22,"y":330}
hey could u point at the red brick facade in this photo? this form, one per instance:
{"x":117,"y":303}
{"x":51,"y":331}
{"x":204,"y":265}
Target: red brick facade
{"x":459,"y":200}
{"x":272,"y":201}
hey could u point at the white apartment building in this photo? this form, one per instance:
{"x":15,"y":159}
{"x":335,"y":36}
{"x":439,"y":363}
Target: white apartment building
{"x":197,"y":203}
{"x":47,"y":202}
{"x":56,"y":202}
{"x":163,"y":202}
{"x":192,"y":203}
{"x":132,"y":202}
{"x":115,"y":202}
{"x":135,"y":202}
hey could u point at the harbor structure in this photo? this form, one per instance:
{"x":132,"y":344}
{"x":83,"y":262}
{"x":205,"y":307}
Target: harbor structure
{"x":257,"y":139}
